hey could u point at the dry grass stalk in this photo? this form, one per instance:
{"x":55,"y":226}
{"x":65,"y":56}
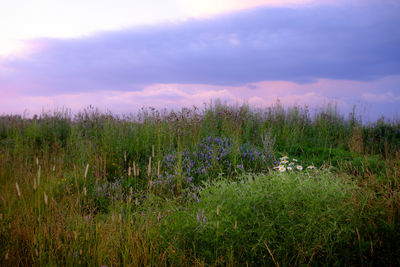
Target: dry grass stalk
{"x":34,"y":184}
{"x":86,"y":170}
{"x":272,"y":256}
{"x":129,"y":171}
{"x":149,"y":167}
{"x":38,"y":179}
{"x":45,"y":198}
{"x":18,"y":191}
{"x":158,"y":169}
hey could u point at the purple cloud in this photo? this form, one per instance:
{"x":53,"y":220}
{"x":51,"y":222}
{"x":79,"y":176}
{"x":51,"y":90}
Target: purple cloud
{"x":299,"y":45}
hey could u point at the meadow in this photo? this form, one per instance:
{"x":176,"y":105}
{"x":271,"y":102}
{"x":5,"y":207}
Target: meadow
{"x":217,"y":186}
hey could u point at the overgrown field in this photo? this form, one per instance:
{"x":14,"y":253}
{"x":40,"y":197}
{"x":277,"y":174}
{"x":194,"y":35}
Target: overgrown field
{"x":199,"y":187}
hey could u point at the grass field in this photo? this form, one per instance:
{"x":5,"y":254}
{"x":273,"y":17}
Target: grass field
{"x":199,"y":187}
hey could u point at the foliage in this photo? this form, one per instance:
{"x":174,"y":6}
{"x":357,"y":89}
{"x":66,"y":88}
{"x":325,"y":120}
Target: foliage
{"x":104,"y":189}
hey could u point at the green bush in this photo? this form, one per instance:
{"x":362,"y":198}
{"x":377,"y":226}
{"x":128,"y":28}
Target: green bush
{"x":302,"y":218}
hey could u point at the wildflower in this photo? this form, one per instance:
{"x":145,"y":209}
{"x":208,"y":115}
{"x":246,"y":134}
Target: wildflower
{"x":284,"y":161}
{"x":295,"y":160}
{"x":310,"y":167}
{"x":279,"y":166}
{"x":289,"y":168}
{"x":198,"y":217}
{"x":282,"y":169}
{"x":299,"y":167}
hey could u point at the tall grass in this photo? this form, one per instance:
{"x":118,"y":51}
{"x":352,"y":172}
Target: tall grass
{"x":103,"y":189}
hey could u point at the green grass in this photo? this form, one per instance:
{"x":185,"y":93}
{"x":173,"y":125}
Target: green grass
{"x":302,"y":218}
{"x":150,"y":175}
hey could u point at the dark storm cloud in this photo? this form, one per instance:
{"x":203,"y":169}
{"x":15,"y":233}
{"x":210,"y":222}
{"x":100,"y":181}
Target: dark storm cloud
{"x":346,"y":42}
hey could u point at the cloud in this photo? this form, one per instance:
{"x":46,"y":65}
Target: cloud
{"x":344,"y":94}
{"x":383,"y":97}
{"x":299,"y":45}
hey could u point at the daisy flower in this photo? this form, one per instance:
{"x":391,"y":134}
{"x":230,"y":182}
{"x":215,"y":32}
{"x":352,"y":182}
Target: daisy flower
{"x":284,"y":161}
{"x":279,"y":166}
{"x":282,"y":169}
{"x":311,"y":167}
{"x":299,"y":167}
{"x":289,"y":168}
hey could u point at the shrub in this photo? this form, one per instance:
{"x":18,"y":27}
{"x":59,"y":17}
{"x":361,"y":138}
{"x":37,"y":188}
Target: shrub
{"x":301,"y":218}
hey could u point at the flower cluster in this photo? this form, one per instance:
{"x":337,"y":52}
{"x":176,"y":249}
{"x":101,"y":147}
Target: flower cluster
{"x":112,"y":190}
{"x":200,"y":216}
{"x":211,"y":152}
{"x":250,"y":153}
{"x":210,"y":157}
{"x":285,"y":164}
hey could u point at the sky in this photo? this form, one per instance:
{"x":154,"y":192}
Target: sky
{"x":121,"y":55}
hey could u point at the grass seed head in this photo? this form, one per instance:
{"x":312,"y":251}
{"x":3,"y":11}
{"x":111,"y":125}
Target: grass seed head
{"x":86,"y":170}
{"x":39,"y":172}
{"x":18,"y":191}
{"x":149,"y":167}
{"x":45,"y":198}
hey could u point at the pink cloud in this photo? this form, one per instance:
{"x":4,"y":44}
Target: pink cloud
{"x":383,"y":97}
{"x":175,"y":96}
{"x":211,"y":7}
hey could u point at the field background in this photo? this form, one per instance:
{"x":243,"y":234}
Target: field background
{"x":198,"y":187}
